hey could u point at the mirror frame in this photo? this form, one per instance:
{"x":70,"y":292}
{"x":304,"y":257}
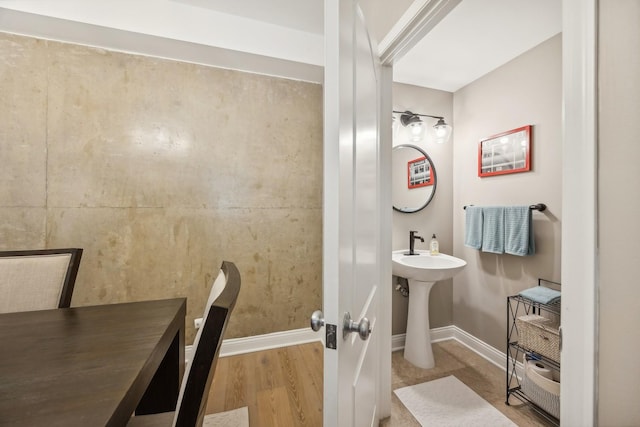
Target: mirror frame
{"x":433,"y":173}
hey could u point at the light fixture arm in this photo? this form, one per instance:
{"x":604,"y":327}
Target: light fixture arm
{"x":409,"y":113}
{"x":413,"y":120}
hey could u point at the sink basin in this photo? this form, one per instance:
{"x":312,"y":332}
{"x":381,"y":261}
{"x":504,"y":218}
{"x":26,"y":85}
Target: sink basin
{"x":425,"y":267}
{"x":422,"y":271}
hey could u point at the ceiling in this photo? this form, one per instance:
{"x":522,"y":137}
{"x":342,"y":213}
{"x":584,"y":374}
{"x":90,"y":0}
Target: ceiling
{"x":303,"y":15}
{"x":475,"y":38}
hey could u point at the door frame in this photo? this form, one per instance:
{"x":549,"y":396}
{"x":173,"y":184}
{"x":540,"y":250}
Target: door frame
{"x":579,"y":210}
{"x":579,"y":396}
{"x":418,"y":20}
{"x":386,"y":220}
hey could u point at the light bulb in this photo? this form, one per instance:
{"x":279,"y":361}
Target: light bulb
{"x":442,"y":131}
{"x":416,"y":131}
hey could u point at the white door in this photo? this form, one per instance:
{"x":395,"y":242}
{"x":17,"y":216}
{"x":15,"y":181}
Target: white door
{"x":352,"y":221}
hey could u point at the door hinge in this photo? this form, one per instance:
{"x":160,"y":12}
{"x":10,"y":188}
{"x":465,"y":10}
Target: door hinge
{"x":331,"y":334}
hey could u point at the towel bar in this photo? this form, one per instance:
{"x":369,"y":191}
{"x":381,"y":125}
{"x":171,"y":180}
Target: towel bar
{"x":537,"y":207}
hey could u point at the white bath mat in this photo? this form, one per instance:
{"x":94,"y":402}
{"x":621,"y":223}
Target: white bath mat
{"x":449,"y":402}
{"x":234,"y":418}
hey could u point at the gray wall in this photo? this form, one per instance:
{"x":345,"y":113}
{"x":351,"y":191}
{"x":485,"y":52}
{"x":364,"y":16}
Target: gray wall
{"x":618,"y":205}
{"x":527,"y":90}
{"x":435,"y":218}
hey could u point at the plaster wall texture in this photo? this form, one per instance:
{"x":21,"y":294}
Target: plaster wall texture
{"x":160,"y":170}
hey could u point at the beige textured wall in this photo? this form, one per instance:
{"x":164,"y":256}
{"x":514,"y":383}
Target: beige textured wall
{"x":618,"y":206}
{"x":527,"y":90}
{"x":435,"y":218}
{"x":160,"y":170}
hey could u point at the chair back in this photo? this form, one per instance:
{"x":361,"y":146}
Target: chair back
{"x":38,"y":279}
{"x":198,"y":375}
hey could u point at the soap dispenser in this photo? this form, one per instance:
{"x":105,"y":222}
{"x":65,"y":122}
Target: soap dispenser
{"x":434,"y":246}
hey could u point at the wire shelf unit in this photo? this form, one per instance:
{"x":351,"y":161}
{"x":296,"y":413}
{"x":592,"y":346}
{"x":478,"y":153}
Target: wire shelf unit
{"x":519,"y":306}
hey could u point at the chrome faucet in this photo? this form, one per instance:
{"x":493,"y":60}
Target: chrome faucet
{"x":412,"y":239}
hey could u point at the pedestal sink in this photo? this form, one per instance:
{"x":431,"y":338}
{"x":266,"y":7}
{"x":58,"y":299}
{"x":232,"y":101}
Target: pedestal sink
{"x":422,"y":270}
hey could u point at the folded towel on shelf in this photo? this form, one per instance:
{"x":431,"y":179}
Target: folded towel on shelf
{"x":493,"y":229}
{"x":541,"y":294}
{"x":518,"y":231}
{"x":473,"y":227}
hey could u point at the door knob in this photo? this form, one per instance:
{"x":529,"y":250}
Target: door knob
{"x":317,"y":320}
{"x":362,"y":328}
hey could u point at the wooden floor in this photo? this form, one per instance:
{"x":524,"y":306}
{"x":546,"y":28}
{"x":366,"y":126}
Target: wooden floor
{"x":283,"y":387}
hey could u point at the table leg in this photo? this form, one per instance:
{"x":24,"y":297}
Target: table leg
{"x":162,"y":393}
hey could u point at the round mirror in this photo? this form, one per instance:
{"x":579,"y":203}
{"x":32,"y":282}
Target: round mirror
{"x":414,"y":178}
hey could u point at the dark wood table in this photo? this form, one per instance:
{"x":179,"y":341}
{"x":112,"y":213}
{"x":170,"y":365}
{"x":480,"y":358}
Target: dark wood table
{"x":91,"y":366}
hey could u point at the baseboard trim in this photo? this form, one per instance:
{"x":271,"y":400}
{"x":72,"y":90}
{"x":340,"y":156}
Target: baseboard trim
{"x":397,"y":342}
{"x":234,"y":346}
{"x":474,"y":344}
{"x":488,"y":352}
{"x":437,"y":334}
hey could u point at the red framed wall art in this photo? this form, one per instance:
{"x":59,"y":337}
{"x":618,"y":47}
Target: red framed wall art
{"x":419,"y":173}
{"x":506,"y":152}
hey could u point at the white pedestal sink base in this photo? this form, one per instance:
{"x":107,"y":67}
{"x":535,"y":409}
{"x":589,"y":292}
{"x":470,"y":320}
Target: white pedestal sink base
{"x":422,"y":270}
{"x":417,"y":346}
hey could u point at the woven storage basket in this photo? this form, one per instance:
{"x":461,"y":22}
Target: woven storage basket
{"x":539,"y":335}
{"x":544,"y":392}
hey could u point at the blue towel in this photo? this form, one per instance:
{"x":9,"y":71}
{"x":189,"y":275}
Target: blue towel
{"x":541,"y":294}
{"x":493,"y":229}
{"x":518,"y":231}
{"x":473,"y":227}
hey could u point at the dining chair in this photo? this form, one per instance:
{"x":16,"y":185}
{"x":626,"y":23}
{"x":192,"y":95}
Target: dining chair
{"x":37,"y":279}
{"x":198,"y":375}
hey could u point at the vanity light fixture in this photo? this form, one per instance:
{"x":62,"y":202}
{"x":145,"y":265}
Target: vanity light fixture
{"x":442,"y":131}
{"x":414,"y":123}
